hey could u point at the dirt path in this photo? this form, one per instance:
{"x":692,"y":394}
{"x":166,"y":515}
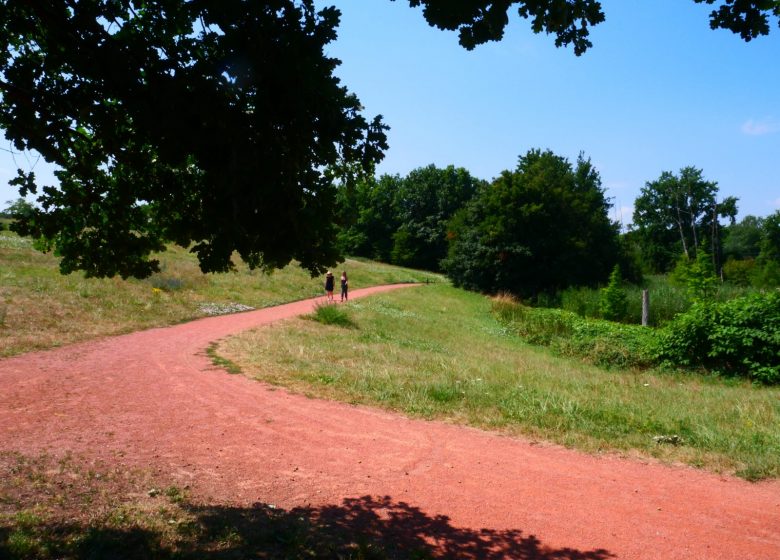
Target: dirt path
{"x":153,"y":398}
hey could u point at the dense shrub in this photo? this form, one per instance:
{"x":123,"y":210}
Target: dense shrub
{"x":739,"y":272}
{"x":596,"y":341}
{"x":740,"y":337}
{"x":609,"y":344}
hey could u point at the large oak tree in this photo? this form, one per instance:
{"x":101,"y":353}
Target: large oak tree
{"x":212,"y":124}
{"x":479,"y":21}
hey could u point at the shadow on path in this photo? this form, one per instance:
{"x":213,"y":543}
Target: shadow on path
{"x":359,"y":528}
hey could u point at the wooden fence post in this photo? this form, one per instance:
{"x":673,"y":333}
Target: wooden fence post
{"x":645,"y":307}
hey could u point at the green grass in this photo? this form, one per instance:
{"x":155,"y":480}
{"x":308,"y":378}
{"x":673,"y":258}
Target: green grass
{"x":438,"y":352}
{"x":330,"y":314}
{"x":219,"y":361}
{"x":40,"y":308}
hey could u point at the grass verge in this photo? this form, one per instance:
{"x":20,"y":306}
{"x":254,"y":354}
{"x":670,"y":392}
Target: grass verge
{"x":438,"y":352}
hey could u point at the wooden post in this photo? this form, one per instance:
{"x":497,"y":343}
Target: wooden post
{"x":645,"y":307}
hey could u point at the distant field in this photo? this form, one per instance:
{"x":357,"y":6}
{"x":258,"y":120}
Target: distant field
{"x":40,"y":308}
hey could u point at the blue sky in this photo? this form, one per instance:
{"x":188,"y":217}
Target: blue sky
{"x":658,"y":91}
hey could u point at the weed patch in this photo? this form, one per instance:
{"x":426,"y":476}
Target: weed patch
{"x":598,"y":342}
{"x":331,"y":314}
{"x":220,"y":362}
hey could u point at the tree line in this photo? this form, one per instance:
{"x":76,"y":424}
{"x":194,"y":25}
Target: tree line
{"x":545,"y":226}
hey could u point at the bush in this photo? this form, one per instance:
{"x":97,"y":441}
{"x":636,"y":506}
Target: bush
{"x":332,"y":315}
{"x":697,"y":275}
{"x":739,"y":272}
{"x":767,"y":275}
{"x":598,"y":342}
{"x":740,"y":337}
{"x":609,"y":344}
{"x":613,"y":304}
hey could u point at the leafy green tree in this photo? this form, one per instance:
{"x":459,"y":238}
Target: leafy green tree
{"x":768,"y":262}
{"x":540,"y":228}
{"x":697,"y":275}
{"x":630,"y":257}
{"x":402,"y":220}
{"x":742,"y":240}
{"x":425,"y":202}
{"x":211,"y":124}
{"x":702,"y":282}
{"x":18,"y":209}
{"x":740,"y":272}
{"x":680,"y":214}
{"x":770,"y":239}
{"x":369,"y":217}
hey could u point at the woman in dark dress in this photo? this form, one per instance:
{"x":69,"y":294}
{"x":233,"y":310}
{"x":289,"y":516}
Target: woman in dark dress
{"x":329,"y":281}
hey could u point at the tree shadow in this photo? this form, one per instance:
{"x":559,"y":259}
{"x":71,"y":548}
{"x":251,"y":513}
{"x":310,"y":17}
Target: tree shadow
{"x":359,"y":528}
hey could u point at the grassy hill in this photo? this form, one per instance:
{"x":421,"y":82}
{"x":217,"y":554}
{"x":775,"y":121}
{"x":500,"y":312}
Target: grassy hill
{"x":40,"y":308}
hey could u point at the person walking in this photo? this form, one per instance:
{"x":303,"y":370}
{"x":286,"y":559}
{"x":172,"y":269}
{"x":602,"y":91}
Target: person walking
{"x":344,"y":287}
{"x":329,"y":281}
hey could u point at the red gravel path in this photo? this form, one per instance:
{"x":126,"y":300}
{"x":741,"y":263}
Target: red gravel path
{"x":152,"y":398}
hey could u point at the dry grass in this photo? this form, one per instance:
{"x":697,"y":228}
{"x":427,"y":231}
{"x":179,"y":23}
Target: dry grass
{"x":40,"y":308}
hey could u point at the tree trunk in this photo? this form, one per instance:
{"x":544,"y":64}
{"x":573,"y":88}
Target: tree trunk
{"x":680,"y":227}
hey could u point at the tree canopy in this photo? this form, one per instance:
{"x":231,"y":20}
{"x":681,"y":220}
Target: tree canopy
{"x":679,"y":214}
{"x":205,"y":123}
{"x":479,"y":21}
{"x":215,"y":125}
{"x":403,"y":220}
{"x":540,"y":228}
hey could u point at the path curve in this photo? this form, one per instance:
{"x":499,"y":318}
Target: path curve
{"x":153,"y":398}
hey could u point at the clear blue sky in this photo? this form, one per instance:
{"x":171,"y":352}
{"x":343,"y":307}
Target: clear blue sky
{"x":658,"y":91}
